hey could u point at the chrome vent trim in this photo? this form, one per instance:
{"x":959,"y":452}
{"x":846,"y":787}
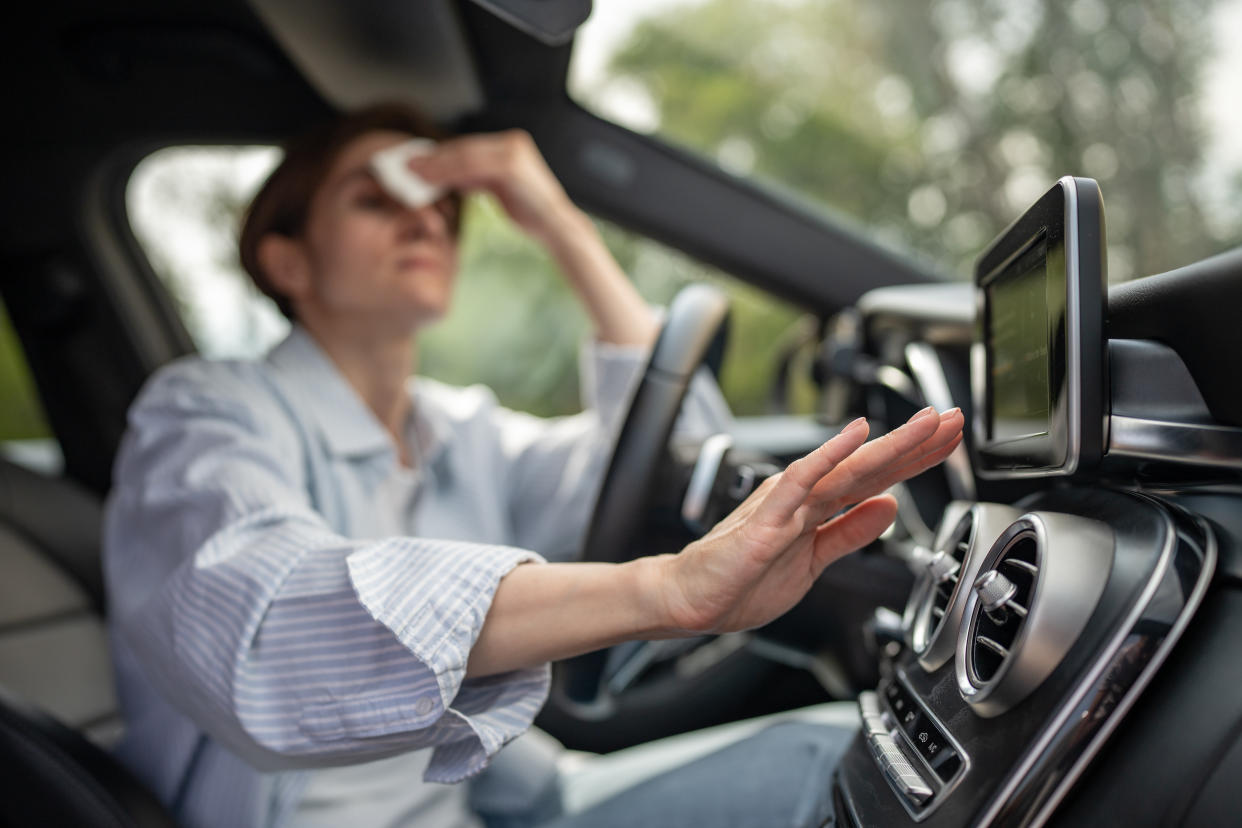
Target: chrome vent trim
{"x":941,"y":575}
{"x":936,"y":604}
{"x":1028,"y":606}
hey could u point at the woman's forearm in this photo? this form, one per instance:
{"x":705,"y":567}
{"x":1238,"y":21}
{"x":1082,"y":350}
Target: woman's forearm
{"x":752,"y":567}
{"x":546,"y":612}
{"x":619,"y":314}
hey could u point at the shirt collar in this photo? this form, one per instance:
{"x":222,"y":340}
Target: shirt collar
{"x":345,"y":423}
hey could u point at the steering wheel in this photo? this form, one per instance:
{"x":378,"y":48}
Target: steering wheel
{"x":694,"y":325}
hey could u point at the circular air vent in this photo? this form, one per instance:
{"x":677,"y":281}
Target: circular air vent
{"x":1004,"y":594}
{"x":938,"y":598}
{"x":1038,"y":585}
{"x":943,"y":572}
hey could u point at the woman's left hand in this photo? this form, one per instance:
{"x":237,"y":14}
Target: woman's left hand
{"x":507,"y":165}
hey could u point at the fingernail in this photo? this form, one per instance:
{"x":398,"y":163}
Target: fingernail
{"x":854,"y":425}
{"x":923,"y":413}
{"x":950,"y":412}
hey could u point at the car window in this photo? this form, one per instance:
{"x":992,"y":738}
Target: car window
{"x":513,"y":325}
{"x":931,"y":125}
{"x":25,"y":437}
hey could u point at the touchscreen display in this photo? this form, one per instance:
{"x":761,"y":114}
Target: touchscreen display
{"x":1037,"y":365}
{"x":1018,"y":348}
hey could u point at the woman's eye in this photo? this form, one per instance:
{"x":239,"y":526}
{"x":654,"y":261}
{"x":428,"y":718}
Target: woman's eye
{"x":371,"y":201}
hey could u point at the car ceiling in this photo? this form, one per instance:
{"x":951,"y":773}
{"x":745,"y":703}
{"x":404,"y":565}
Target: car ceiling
{"x":97,"y":85}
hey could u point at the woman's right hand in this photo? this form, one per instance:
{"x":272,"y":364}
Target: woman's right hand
{"x":763,"y":557}
{"x":749,"y":569}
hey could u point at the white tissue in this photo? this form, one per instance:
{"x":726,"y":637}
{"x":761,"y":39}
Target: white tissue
{"x":391,"y":167}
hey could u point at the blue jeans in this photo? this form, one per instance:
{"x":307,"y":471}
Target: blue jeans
{"x":780,"y":776}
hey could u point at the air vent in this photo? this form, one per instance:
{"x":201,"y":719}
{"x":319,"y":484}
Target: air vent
{"x":946,"y":569}
{"x":1039,"y":584}
{"x":937,"y":601}
{"x":940,"y":580}
{"x":1004,"y":597}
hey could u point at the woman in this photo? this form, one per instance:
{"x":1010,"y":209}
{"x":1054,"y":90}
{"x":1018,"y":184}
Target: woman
{"x":313,"y":561}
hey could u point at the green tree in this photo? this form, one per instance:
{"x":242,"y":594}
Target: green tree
{"x":934,"y":124}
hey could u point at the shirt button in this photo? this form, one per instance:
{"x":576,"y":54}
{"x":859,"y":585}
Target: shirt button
{"x":424,"y":706}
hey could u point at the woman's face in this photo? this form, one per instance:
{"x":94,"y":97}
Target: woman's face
{"x":369,"y":258}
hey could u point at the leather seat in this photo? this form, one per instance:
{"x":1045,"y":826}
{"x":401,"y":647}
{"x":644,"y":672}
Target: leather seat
{"x":54,"y":654}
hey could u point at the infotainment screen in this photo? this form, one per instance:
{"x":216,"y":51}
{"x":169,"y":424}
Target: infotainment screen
{"x":1037,"y":367}
{"x":1019,"y":348}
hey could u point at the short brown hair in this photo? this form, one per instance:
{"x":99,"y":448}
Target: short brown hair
{"x":283,"y":202}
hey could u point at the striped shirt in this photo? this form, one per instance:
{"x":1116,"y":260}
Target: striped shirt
{"x":285,"y":595}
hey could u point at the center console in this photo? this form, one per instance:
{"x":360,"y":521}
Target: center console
{"x":1077,"y":602}
{"x":1035,"y":626}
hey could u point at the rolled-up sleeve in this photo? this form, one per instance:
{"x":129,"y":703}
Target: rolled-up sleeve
{"x":288,"y":643}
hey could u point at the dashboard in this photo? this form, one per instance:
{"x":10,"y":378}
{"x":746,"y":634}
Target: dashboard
{"x":1064,"y":647}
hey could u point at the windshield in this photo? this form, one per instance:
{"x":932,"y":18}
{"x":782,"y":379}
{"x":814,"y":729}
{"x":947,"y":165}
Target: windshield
{"x":930,"y":126}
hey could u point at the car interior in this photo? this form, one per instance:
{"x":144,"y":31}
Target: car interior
{"x":1047,"y":634}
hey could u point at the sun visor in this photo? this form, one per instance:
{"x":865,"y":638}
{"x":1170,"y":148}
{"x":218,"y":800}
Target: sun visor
{"x":368,"y":51}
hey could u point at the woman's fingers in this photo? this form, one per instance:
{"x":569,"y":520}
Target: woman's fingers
{"x":886,"y":452}
{"x":852,"y":530}
{"x":848,"y":469}
{"x":922,"y":464}
{"x":469,"y":162}
{"x":801,"y":476}
{"x":859,"y":480}
{"x":507,"y":165}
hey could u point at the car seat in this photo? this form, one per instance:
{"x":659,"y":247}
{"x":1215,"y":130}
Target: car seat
{"x":58,"y":708}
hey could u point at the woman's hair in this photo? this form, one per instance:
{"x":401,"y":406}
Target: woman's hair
{"x":283,"y":202}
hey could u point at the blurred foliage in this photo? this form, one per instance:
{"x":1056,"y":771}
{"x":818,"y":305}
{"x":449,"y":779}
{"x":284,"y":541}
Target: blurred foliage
{"x":513,"y":325}
{"x":21,"y":416}
{"x":934,"y":124}
{"x":516,"y":326}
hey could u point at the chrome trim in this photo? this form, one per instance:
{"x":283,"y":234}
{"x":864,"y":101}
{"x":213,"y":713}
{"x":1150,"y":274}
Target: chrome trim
{"x":1073,"y":342}
{"x":929,"y":375}
{"x":953,"y":514}
{"x":703,"y":478}
{"x":995,"y":591}
{"x":1188,"y":443}
{"x":1075,"y":557}
{"x":1070,"y":712}
{"x":1193,"y":601}
{"x":933,"y":642}
{"x":1073,"y":328}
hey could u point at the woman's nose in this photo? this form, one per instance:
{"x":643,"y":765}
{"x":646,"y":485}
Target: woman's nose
{"x":427,"y":220}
